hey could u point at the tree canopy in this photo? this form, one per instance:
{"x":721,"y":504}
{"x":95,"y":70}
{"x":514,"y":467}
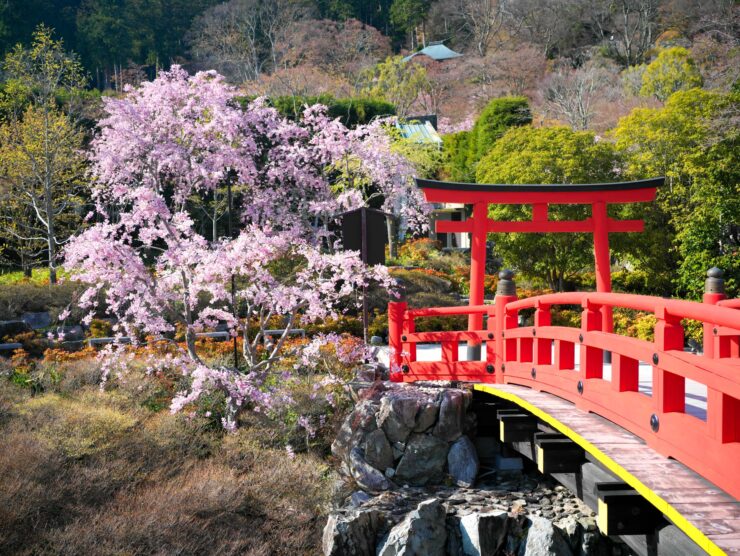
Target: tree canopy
{"x":673,"y":70}
{"x":546,"y":155}
{"x":695,"y":222}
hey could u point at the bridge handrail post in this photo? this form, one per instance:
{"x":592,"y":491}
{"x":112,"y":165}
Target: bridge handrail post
{"x":409,"y":348}
{"x":396,"y":316}
{"x":543,"y":346}
{"x":490,"y":344}
{"x":669,"y":389}
{"x":723,"y":412}
{"x":714,"y":292}
{"x":505,"y":294}
{"x":592,"y":359}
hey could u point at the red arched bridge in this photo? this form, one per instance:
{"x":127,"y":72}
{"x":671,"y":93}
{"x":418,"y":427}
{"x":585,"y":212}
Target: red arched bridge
{"x":664,"y":420}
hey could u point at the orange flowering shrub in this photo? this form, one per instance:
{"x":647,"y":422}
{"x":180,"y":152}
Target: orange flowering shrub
{"x":418,"y":251}
{"x":56,"y":355}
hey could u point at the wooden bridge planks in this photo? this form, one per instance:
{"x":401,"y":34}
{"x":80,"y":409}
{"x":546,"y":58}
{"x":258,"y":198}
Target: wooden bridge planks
{"x":706,"y":514}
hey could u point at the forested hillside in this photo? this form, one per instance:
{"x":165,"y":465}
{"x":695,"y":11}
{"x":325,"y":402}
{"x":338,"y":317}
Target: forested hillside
{"x":652,"y":85}
{"x":509,"y":45}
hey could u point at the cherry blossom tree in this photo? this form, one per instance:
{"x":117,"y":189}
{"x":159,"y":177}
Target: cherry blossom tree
{"x":181,"y":136}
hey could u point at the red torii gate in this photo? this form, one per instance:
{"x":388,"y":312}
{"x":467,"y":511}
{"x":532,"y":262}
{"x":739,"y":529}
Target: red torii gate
{"x":598,"y":195}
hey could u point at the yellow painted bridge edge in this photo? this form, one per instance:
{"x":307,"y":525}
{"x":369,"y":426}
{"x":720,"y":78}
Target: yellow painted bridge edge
{"x":669,"y":511}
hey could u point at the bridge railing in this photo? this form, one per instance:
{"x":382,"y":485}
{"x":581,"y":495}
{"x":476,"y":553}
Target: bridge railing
{"x":569,"y":362}
{"x":403,"y":340}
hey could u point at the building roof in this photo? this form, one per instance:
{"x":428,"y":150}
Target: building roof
{"x":419,"y":132}
{"x":436,"y":51}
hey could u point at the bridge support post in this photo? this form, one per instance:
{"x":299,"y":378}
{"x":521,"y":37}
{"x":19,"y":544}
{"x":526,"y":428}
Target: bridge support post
{"x":602,"y":259}
{"x":477,"y":272}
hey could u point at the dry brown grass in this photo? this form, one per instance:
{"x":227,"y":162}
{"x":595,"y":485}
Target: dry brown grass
{"x":207,"y":508}
{"x":84,"y":472}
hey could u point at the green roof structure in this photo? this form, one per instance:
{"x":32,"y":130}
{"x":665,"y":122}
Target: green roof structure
{"x":436,"y":51}
{"x":420,"y":132}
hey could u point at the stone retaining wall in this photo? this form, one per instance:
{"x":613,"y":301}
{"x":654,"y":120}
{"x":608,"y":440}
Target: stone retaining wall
{"x":408,"y":465}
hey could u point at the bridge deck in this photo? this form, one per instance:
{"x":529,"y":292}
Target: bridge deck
{"x":710,"y":517}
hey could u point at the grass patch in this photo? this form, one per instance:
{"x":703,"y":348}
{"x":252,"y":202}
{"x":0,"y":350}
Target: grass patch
{"x":86,"y":471}
{"x":39,"y":276}
{"x":78,"y":427}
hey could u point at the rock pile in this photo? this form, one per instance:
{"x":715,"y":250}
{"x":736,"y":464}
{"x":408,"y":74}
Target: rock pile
{"x":524,"y":517}
{"x":407,"y":453}
{"x":406,"y":435}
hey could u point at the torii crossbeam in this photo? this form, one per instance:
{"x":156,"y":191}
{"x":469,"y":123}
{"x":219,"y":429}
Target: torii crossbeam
{"x":598,"y":195}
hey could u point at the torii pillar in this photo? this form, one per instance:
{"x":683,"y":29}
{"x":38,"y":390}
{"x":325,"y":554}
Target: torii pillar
{"x":540,"y":197}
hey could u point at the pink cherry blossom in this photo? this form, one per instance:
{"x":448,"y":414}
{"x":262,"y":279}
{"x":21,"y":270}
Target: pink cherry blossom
{"x":180,"y":137}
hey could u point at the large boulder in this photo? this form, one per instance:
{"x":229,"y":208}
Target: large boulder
{"x":352,"y":532}
{"x":37,"y":320}
{"x":357,"y":424}
{"x":462,"y":462}
{"x":73,"y":333}
{"x":10,"y":328}
{"x":451,"y":420}
{"x":397,"y":415}
{"x":454,"y":538}
{"x":570,"y":530}
{"x":423,"y":460}
{"x":366,"y":475}
{"x":426,"y":415}
{"x":378,"y":451}
{"x":543,"y":539}
{"x":421,"y":533}
{"x":483,"y":533}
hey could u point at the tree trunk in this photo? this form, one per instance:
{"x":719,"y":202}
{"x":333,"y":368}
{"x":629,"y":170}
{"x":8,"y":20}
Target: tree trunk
{"x":215,"y":219}
{"x":190,"y":343}
{"x":392,"y":236}
{"x":49,"y":205}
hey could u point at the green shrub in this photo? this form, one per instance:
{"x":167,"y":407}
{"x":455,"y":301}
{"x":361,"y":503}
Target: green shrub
{"x":449,"y":262}
{"x":22,"y":297}
{"x":456,"y":150}
{"x":634,"y":281}
{"x":693,"y":330}
{"x":566,"y":317}
{"x":378,"y":325}
{"x":420,"y":300}
{"x":442,"y":324}
{"x":418,"y":252}
{"x":499,"y":115}
{"x":419,"y":280}
{"x":351,"y":111}
{"x":39,"y":276}
{"x":341,"y":325}
{"x":100,"y":328}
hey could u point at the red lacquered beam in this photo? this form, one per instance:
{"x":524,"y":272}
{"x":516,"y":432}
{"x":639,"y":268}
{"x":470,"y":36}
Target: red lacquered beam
{"x":447,"y":336}
{"x":703,"y":312}
{"x":450,"y":311}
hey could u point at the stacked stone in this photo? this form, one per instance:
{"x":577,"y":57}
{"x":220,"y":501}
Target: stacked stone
{"x":508,"y":518}
{"x":405,"y":435}
{"x":406,"y":452}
